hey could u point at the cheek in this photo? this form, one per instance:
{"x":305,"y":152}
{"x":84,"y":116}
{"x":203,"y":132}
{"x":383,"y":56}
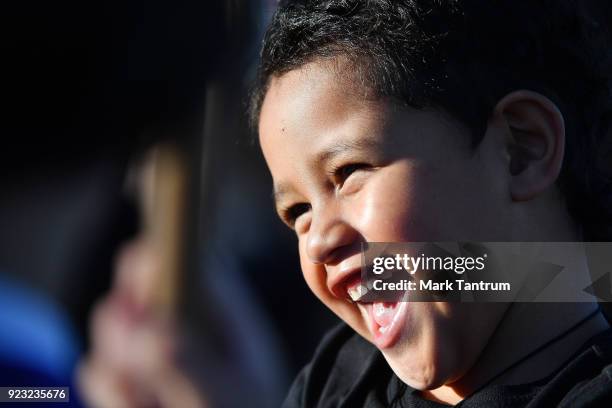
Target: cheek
{"x":316,"y":279}
{"x":410,"y":202}
{"x":395,"y":207}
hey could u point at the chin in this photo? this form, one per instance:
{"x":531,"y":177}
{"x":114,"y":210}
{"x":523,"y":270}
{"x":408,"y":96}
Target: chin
{"x":424,"y":372}
{"x":420,"y":379}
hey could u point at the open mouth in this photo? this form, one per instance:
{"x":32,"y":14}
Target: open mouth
{"x":385,"y":320}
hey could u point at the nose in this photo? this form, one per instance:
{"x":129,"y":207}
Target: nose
{"x":328,"y":233}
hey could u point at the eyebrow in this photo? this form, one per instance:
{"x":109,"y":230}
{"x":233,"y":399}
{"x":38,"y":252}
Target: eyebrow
{"x":326,"y":155}
{"x":342,"y":146}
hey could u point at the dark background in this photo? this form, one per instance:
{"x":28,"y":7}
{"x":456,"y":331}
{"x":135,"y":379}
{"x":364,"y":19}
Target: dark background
{"x":86,"y":88}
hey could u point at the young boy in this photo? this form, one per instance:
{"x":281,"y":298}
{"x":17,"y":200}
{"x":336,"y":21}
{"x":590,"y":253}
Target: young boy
{"x":419,"y":121}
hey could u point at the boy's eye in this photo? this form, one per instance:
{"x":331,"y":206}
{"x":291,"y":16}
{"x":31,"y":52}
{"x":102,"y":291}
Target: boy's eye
{"x":291,"y":214}
{"x":343,"y":172}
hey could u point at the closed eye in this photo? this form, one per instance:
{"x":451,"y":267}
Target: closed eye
{"x":341,"y":173}
{"x":292,"y":213}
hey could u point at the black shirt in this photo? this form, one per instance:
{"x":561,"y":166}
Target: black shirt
{"x":347,"y":371}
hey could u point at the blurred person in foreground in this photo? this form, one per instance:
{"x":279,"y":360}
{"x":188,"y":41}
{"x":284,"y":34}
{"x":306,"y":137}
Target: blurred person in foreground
{"x":86,"y":87}
{"x":419,"y":121}
{"x":145,"y":351}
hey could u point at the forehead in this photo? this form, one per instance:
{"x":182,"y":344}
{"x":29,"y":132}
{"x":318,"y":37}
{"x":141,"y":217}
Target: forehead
{"x":323,"y":91}
{"x":315,"y":104}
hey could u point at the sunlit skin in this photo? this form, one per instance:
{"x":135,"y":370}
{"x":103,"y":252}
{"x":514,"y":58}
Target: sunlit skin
{"x":349,"y":168}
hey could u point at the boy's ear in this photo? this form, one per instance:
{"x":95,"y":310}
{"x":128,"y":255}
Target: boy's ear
{"x":535,"y":143}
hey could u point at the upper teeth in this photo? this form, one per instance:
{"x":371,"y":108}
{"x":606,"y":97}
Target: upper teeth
{"x":357,"y":292}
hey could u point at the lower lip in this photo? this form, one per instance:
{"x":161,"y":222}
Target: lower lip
{"x":392,"y":332}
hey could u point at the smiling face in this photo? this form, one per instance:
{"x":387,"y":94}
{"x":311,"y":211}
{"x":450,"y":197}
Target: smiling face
{"x":348,"y":170}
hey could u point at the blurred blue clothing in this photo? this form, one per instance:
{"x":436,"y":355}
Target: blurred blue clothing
{"x":38,"y":345}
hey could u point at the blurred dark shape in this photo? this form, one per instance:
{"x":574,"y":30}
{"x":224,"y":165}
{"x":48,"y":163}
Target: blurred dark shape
{"x":87,"y":87}
{"x":81,"y":78}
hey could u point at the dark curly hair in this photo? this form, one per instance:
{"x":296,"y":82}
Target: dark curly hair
{"x":463,"y":56}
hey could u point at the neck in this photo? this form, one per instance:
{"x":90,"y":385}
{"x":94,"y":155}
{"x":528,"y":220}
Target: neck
{"x":508,"y":345}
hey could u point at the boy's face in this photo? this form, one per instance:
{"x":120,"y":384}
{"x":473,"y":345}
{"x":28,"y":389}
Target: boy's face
{"x":349,"y":169}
